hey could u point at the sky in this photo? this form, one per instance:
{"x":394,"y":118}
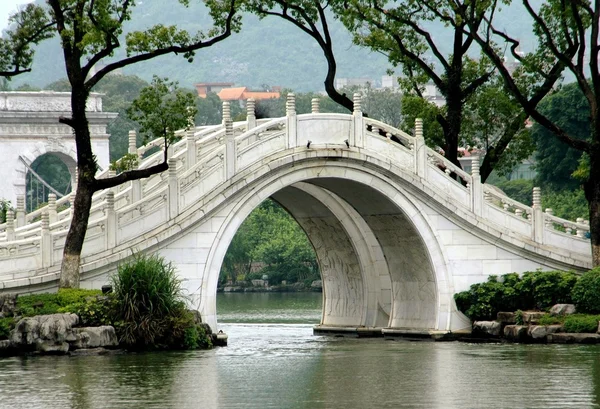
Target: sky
{"x":6,"y":8}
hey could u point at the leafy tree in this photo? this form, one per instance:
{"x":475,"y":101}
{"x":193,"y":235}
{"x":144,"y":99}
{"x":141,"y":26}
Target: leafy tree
{"x":90,"y":32}
{"x":567,"y":41}
{"x":402,"y":32}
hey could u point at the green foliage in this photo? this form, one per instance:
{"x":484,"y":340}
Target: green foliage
{"x":586,"y":292}
{"x":537,"y":289}
{"x":52,"y":303}
{"x":549,"y":319}
{"x":270,"y":235}
{"x":5,"y":206}
{"x":161,"y":109}
{"x":127,"y":162}
{"x":519,"y":317}
{"x":6,"y":325}
{"x":149,"y":304}
{"x":581,"y":323}
{"x":566,"y":204}
{"x":520,"y":190}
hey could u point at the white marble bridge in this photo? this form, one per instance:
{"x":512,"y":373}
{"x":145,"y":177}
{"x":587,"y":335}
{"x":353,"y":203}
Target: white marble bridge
{"x":396,"y":228}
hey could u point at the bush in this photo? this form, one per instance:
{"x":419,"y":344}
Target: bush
{"x":581,"y":323}
{"x":52,"y":303}
{"x":149,"y":302}
{"x":586,"y":293}
{"x":542,"y":289}
{"x":549,"y":319}
{"x":6,"y":325}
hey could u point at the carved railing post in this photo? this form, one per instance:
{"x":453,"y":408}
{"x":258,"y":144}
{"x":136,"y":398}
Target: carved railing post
{"x":357,"y":136}
{"x":46,"y":241}
{"x":10,"y":225}
{"x":230,"y":158}
{"x":250,"y":114}
{"x":111,"y":221}
{"x":52,"y":213}
{"x":291,"y":121}
{"x":173,"y":192}
{"x":314,"y":104}
{"x":132,"y":143}
{"x":538,"y":216}
{"x":20,"y":211}
{"x":476,"y":188}
{"x":190,"y":141}
{"x":420,"y":150}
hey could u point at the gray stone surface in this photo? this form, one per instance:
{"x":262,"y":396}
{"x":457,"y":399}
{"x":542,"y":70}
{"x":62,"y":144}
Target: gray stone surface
{"x":7,"y":304}
{"x":94,"y":337}
{"x":532,"y":317}
{"x":506,"y":318}
{"x":486,"y":328}
{"x":516,"y":333}
{"x":54,"y":328}
{"x":571,"y":338}
{"x":562,"y":309}
{"x":540,"y":332}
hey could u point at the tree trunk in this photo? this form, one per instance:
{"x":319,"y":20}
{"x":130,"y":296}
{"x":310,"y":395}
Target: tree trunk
{"x":592,"y":194}
{"x":86,"y":167}
{"x":453,"y":123}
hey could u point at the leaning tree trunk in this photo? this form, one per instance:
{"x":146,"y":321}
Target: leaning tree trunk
{"x":592,"y":194}
{"x":86,"y":167}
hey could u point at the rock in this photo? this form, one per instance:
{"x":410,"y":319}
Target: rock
{"x":516,"y":333}
{"x":44,"y":333}
{"x":94,"y":337}
{"x":8,"y":303}
{"x":5,"y":347}
{"x":532,"y":317}
{"x":316,"y":285}
{"x":506,"y":318}
{"x":540,"y":332}
{"x":562,"y":309}
{"x":486,"y":328}
{"x":571,"y":338}
{"x":197,"y":316}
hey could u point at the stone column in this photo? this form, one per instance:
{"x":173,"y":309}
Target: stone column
{"x":476,"y":188}
{"x":537,"y":217}
{"x":250,"y":114}
{"x":132,"y":149}
{"x":10,"y":225}
{"x":190,"y":140}
{"x":291,"y":121}
{"x":46,"y":241}
{"x":52,"y":213}
{"x":20,"y":211}
{"x":173,"y":197}
{"x":357,"y":136}
{"x":314,"y":104}
{"x":111,"y":221}
{"x":230,"y":158}
{"x":420,"y":150}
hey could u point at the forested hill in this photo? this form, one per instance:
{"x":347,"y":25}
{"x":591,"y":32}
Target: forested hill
{"x":269,"y":51}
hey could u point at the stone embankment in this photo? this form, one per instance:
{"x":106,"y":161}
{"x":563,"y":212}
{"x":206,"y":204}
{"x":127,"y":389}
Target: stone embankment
{"x":261,"y":286}
{"x":524,"y":327}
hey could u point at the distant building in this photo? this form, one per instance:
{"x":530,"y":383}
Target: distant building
{"x":352,"y":82}
{"x":243,"y":93}
{"x":204,"y":88}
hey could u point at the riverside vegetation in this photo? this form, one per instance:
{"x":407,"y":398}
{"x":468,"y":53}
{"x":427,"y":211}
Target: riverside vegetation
{"x":539,"y":291}
{"x":146,"y":308}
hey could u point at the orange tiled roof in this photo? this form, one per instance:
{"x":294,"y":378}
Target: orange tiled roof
{"x":232,"y":94}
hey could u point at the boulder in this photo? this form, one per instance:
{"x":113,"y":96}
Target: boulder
{"x":316,"y":285}
{"x":532,"y":317}
{"x":486,"y":329}
{"x":44,"y":333}
{"x":507,"y":318}
{"x":94,"y":337}
{"x":8,"y":303}
{"x":562,"y":309}
{"x":540,"y":332}
{"x":516,"y":333}
{"x":572,"y":338}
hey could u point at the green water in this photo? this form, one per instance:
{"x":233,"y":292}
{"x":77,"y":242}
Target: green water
{"x":276,"y":362}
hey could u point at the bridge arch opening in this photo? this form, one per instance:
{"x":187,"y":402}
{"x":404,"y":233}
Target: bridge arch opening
{"x":51,"y":172}
{"x":379,"y":259}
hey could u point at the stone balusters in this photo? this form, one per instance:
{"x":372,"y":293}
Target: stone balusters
{"x":20,"y":210}
{"x":190,"y":146}
{"x":52,"y":213}
{"x":547,"y":221}
{"x":250,"y":114}
{"x":476,"y":187}
{"x":10,"y":225}
{"x":357,"y":138}
{"x":136,"y":185}
{"x":420,"y":150}
{"x":580,"y":232}
{"x":46,"y":241}
{"x":291,"y":121}
{"x":111,"y":221}
{"x":132,"y":148}
{"x":314,"y":105}
{"x":538,"y":216}
{"x":173,"y":195}
{"x":229,"y":141}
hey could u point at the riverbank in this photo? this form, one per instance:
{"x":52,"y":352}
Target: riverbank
{"x":263,"y":286}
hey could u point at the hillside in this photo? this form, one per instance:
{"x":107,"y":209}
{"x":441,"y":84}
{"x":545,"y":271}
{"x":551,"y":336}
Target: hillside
{"x":269,"y":51}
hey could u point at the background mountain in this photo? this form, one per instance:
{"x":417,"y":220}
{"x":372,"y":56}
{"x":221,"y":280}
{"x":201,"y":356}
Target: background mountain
{"x":269,"y":51}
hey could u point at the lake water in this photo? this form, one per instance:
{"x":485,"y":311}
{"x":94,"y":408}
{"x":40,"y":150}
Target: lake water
{"x":274,"y":361}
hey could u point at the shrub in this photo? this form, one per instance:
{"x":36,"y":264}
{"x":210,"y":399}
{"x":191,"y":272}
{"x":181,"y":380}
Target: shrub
{"x":548,"y":319}
{"x":542,"y":289}
{"x":581,"y":323}
{"x":6,"y":325}
{"x":51,"y":303}
{"x":586,"y":293}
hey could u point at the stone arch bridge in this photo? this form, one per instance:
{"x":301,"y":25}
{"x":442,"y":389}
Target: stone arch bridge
{"x":396,"y":228}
